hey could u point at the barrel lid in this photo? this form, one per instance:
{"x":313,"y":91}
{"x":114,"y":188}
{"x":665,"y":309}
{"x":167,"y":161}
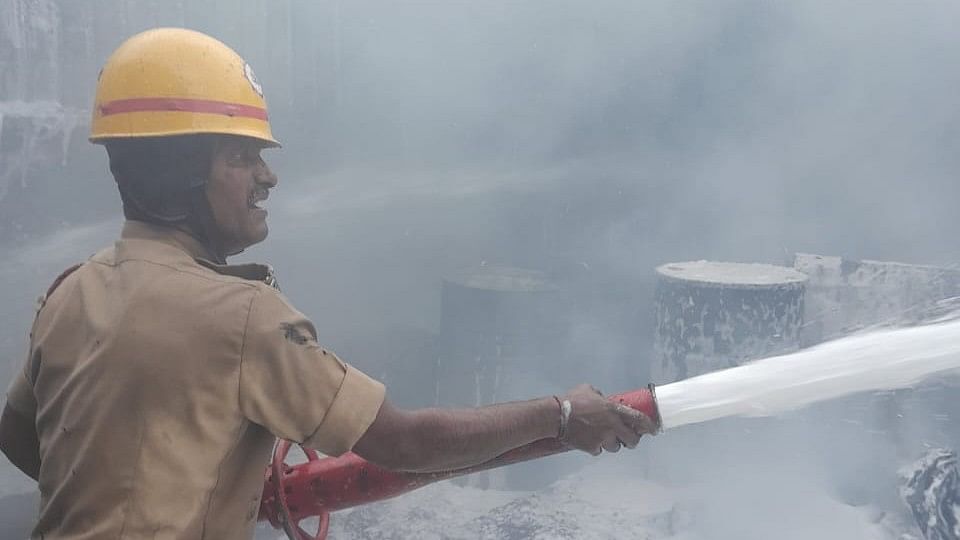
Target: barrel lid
{"x":734,"y":275}
{"x":504,"y":279}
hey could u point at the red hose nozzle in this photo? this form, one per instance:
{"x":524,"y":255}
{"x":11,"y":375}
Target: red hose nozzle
{"x":643,"y":400}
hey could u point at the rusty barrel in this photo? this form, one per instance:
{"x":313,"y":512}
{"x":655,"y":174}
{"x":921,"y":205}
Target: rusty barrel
{"x":499,"y":333}
{"x":497,"y":330}
{"x":715,"y":315}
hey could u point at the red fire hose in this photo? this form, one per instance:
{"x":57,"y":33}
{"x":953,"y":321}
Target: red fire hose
{"x":320,"y":486}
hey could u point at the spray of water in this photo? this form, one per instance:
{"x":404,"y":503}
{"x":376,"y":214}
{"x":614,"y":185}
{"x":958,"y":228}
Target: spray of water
{"x":879,"y":360}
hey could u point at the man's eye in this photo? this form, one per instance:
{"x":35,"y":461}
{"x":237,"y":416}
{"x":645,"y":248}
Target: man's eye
{"x":241,"y":158}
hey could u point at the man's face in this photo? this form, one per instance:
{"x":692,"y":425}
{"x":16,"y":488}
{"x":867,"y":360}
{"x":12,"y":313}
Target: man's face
{"x":239,"y":182}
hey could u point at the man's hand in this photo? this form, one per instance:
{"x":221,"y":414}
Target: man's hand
{"x":597,"y":424}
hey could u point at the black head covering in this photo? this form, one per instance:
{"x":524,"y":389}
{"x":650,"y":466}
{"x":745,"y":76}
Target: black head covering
{"x":162,"y":180}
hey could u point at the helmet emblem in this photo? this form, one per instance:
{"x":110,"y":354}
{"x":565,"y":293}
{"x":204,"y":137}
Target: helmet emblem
{"x":252,"y":79}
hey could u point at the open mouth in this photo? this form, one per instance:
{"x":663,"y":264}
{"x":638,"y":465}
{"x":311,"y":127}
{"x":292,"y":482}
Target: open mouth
{"x":256,"y":197}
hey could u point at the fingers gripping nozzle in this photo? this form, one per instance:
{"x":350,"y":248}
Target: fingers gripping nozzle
{"x":643,"y":400}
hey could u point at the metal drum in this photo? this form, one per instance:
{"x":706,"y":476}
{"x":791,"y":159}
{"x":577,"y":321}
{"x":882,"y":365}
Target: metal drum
{"x":499,"y":336}
{"x":496,"y":330}
{"x":715,"y":315}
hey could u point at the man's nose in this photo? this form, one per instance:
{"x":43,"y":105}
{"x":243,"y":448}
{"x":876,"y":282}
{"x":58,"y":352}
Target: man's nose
{"x":266,"y":176}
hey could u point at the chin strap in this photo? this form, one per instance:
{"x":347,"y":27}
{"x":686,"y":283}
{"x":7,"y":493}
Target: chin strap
{"x":201,"y":222}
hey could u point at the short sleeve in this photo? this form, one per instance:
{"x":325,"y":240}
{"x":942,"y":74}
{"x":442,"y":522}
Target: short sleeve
{"x":295,"y":388}
{"x":20,"y":395}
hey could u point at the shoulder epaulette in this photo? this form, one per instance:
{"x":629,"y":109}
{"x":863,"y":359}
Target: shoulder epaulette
{"x":57,"y":282}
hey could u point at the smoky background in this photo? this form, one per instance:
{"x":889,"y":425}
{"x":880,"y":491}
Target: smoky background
{"x":591,"y":141}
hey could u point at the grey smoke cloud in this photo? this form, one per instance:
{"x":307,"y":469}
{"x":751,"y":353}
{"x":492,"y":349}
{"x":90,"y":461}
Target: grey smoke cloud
{"x":593,"y":140}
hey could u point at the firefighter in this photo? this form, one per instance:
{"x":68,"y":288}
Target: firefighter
{"x":158,"y":375}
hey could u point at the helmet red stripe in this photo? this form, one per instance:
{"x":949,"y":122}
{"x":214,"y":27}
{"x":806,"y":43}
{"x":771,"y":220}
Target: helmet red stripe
{"x":182,"y":104}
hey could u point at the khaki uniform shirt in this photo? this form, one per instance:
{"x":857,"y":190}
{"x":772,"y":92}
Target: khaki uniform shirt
{"x":158,"y":382}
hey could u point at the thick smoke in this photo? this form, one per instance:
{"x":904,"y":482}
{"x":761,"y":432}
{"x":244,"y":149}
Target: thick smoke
{"x":590,"y":140}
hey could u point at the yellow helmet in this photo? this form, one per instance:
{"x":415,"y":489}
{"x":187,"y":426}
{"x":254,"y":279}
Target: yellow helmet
{"x":172,"y":81}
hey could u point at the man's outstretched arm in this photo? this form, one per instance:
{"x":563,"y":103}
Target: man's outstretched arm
{"x":427,"y":440}
{"x":19,"y":441}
